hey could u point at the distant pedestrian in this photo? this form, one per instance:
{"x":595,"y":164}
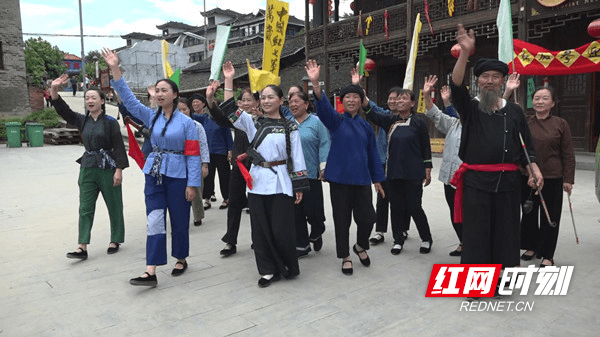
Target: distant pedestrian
{"x":74,"y":85}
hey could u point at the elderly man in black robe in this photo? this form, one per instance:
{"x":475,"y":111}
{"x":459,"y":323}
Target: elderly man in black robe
{"x":491,"y":151}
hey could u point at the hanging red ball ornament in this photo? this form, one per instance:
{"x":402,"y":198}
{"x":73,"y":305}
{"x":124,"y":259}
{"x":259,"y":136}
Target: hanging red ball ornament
{"x":455,"y":51}
{"x":352,"y":6}
{"x":369,"y":64}
{"x":594,"y":29}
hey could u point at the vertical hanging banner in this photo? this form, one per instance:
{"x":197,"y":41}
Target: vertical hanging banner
{"x":505,"y":32}
{"x":412,"y":57}
{"x":276,"y":20}
{"x":167,"y":71}
{"x":362,"y":56}
{"x":219,"y":52}
{"x":530,"y":90}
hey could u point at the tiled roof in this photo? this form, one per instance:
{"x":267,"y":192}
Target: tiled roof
{"x":140,"y":36}
{"x":71,"y":57}
{"x":175,"y":24}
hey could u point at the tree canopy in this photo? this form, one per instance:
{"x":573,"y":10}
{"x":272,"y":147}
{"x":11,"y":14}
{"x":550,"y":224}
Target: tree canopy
{"x":42,"y":61}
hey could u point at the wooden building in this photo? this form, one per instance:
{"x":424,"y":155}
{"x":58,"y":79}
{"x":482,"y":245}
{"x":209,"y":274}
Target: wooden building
{"x":335,"y":46}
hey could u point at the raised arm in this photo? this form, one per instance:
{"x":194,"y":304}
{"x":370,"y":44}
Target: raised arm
{"x":512,"y":84}
{"x":466,"y":41}
{"x":313,"y":71}
{"x":111,"y":58}
{"x":229,"y":74}
{"x":430,"y":82}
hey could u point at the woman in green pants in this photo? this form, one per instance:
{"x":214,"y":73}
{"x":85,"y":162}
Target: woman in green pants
{"x":102,"y":165}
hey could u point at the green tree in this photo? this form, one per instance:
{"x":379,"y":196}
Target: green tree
{"x":42,"y":61}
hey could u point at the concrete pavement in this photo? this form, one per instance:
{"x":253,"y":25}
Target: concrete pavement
{"x":42,"y":293}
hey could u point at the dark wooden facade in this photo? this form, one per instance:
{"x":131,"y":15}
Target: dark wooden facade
{"x":336,"y":45}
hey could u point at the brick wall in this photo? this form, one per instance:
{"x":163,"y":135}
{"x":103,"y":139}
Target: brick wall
{"x":13,"y":83}
{"x":36,"y":98}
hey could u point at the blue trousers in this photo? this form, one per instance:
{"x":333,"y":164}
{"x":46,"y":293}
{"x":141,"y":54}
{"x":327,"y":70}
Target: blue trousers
{"x":170,"y":195}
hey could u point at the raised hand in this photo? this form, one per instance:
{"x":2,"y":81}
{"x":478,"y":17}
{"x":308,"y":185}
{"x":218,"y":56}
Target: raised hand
{"x":313,"y":71}
{"x":110,"y":57}
{"x":228,"y":70}
{"x":446,"y":93}
{"x":211,"y":90}
{"x":430,"y":82}
{"x":355,"y":76}
{"x":465,"y":40}
{"x":58,"y":84}
{"x":513,"y":82}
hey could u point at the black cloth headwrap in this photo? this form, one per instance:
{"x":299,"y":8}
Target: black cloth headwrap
{"x":482,"y":65}
{"x":200,"y":97}
{"x":354,"y":88}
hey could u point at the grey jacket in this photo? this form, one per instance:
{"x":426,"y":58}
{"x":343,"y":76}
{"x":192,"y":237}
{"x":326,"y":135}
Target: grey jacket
{"x":452,"y":127}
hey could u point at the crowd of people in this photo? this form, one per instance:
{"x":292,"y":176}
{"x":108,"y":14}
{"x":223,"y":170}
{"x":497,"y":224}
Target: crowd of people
{"x":495,"y":159}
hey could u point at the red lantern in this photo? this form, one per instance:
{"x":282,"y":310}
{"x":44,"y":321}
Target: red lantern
{"x":352,"y":6}
{"x":594,"y":28}
{"x":369,"y":64}
{"x":455,"y":51}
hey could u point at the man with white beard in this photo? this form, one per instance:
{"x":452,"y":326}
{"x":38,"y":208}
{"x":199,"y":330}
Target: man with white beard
{"x":488,"y":180}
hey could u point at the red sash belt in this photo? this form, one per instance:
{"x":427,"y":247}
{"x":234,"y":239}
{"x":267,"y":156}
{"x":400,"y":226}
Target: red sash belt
{"x":459,"y":178}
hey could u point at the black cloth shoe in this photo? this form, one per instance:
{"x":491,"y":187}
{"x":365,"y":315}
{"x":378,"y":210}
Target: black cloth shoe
{"x":224,"y":205}
{"x":112,"y":250}
{"x":347,"y":271}
{"x":456,"y":252}
{"x":149,"y":281}
{"x":263,"y":282}
{"x":425,"y":250}
{"x":198,"y":223}
{"x":396,"y":249}
{"x":300,"y":253}
{"x":377,"y":239}
{"x":79,"y":253}
{"x":206,"y":205}
{"x":366,"y":261}
{"x":526,"y":257}
{"x":177,"y":272}
{"x":317,"y":243}
{"x":546,"y":265}
{"x":228,"y":250}
{"x":213,"y":198}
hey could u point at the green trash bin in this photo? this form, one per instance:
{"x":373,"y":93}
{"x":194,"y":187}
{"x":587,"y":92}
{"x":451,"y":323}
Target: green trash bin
{"x":34,"y":132}
{"x":13,"y":133}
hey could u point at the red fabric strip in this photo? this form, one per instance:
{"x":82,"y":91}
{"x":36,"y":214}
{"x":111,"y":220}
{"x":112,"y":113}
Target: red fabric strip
{"x":134,"y":148}
{"x":459,"y":178}
{"x":247,"y":177}
{"x":192,"y":148}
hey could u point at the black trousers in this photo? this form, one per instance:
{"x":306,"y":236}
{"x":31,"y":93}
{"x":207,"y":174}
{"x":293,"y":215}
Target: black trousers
{"x":348,"y":201}
{"x":491,"y":227}
{"x":273,"y":234}
{"x":237,"y":201}
{"x":542,"y":239}
{"x":310,"y":210}
{"x":217,"y":162}
{"x":449,"y":192}
{"x":406,"y":200}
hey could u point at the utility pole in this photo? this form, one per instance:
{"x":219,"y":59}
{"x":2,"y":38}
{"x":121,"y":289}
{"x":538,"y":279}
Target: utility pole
{"x":82,"y":54}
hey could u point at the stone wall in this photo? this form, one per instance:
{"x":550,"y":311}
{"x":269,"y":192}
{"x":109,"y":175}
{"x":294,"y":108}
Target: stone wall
{"x":13,"y":83}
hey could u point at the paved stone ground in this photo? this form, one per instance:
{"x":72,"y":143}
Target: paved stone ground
{"x":42,"y":293}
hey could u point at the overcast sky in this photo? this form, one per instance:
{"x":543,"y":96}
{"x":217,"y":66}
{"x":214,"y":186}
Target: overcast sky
{"x":120,"y":17}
